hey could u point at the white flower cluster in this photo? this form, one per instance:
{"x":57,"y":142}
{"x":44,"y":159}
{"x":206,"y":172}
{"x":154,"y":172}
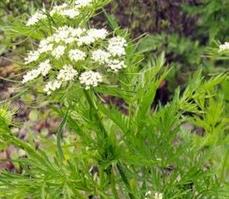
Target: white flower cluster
{"x":91,"y":36}
{"x":117,"y":46}
{"x":83,"y":3}
{"x":43,"y":69}
{"x":67,"y":10}
{"x":77,"y":55}
{"x":86,"y":50}
{"x":39,"y":15}
{"x":58,"y":51}
{"x":112,"y":56}
{"x":101,"y":56}
{"x":56,"y":44}
{"x":116,"y":65}
{"x":224,"y":47}
{"x":67,"y":73}
{"x":66,"y":35}
{"x":52,"y":86}
{"x":157,"y":195}
{"x":32,"y":56}
{"x":90,"y":78}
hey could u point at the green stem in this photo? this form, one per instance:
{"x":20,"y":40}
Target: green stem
{"x":92,"y":105}
{"x":224,"y":166}
{"x":125,"y":180}
{"x":99,"y":121}
{"x":112,"y":179}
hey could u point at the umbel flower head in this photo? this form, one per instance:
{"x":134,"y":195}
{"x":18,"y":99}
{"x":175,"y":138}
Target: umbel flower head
{"x":70,"y":11}
{"x":70,"y":53}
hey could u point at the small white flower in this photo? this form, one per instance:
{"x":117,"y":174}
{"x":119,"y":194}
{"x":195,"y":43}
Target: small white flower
{"x":44,"y":67}
{"x":58,"y":8}
{"x":71,"y":13}
{"x":52,"y":86}
{"x":83,"y":3}
{"x":58,"y":51}
{"x":77,"y":32}
{"x":30,"y":75}
{"x":77,"y":55}
{"x":158,"y":195}
{"x":45,"y":46}
{"x":65,"y":34}
{"x":32,"y":56}
{"x":44,"y":42}
{"x":70,"y":40}
{"x":92,"y":36}
{"x":100,"y":56}
{"x":87,"y":40}
{"x":117,"y":46}
{"x":178,"y":178}
{"x":98,"y":33}
{"x":21,"y":153}
{"x":118,"y":41}
{"x":148,"y":193}
{"x":61,"y":34}
{"x":68,"y":73}
{"x":90,"y":79}
{"x":35,"y":18}
{"x":116,"y":65}
{"x":224,"y":47}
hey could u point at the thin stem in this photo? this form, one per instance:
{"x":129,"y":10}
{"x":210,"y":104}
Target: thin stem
{"x":91,"y":103}
{"x":125,"y":180}
{"x":224,"y":166}
{"x":113,"y":185}
{"x":98,"y":120}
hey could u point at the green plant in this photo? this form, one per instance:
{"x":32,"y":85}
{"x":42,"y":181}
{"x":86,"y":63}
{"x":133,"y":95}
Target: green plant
{"x":102,"y":151}
{"x":114,"y":155}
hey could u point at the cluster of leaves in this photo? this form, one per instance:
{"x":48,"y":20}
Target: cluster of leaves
{"x":109,"y":154}
{"x":8,"y":11}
